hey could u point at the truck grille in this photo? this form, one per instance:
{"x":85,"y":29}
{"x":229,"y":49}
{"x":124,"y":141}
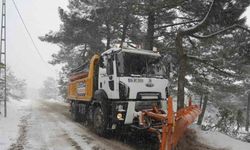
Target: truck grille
{"x":148,"y":95}
{"x":142,"y":105}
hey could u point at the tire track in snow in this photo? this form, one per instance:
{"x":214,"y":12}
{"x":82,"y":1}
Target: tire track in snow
{"x":82,"y":135}
{"x":73,"y":142}
{"x":21,"y":140}
{"x":57,"y":128}
{"x":67,"y":128}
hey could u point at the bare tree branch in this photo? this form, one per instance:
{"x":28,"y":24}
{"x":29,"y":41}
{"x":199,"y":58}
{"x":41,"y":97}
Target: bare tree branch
{"x":207,"y":62}
{"x":185,"y":18}
{"x":243,"y":28}
{"x":192,"y":43}
{"x":215,"y":33}
{"x":220,"y":32}
{"x":176,"y":24}
{"x":202,"y":23}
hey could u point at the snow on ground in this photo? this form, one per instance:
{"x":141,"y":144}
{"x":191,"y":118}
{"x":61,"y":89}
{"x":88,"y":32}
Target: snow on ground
{"x":211,"y":115}
{"x":37,"y":124}
{"x":219,"y":140}
{"x":46,"y":124}
{"x":9,"y":128}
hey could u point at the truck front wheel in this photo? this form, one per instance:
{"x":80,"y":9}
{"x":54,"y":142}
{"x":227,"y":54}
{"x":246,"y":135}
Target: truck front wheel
{"x":100,"y":122}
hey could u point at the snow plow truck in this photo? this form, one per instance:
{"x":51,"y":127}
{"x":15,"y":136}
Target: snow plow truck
{"x":128,"y":88}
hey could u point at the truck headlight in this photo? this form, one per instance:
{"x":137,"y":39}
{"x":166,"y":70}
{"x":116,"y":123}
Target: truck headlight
{"x":119,"y":111}
{"x":123,"y":90}
{"x":119,"y":116}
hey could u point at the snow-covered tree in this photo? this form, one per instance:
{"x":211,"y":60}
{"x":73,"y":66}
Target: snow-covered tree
{"x":49,"y":89}
{"x":16,"y":88}
{"x":177,"y":28}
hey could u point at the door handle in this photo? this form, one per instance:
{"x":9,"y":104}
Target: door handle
{"x":110,"y":77}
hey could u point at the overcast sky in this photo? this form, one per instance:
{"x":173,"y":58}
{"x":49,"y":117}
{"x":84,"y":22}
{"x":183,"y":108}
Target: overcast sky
{"x":40,"y":16}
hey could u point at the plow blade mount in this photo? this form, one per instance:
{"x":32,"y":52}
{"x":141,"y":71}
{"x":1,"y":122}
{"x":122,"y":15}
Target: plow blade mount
{"x":173,"y":124}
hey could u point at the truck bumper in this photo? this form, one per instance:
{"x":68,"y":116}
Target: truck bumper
{"x":125,"y":112}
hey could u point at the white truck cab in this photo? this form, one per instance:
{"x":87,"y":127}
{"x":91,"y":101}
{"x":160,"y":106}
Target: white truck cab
{"x":133,"y":80}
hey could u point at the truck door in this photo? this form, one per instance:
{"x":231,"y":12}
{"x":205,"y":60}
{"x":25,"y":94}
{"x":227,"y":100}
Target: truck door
{"x":107,"y":77}
{"x":110,"y":73}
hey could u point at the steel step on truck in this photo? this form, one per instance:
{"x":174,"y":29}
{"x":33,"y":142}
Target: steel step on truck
{"x":128,"y":88}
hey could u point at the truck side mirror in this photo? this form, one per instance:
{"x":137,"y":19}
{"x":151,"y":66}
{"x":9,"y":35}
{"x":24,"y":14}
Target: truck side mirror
{"x":101,"y":62}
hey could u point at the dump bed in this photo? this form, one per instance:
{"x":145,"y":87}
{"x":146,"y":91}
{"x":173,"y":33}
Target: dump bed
{"x":81,"y":82}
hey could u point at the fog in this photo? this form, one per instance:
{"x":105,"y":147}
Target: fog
{"x":40,"y":17}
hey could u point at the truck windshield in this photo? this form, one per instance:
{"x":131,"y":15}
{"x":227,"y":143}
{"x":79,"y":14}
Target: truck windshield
{"x":132,"y":64}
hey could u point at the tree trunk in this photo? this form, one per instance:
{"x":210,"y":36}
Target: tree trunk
{"x":149,"y":42}
{"x":108,"y":36}
{"x":201,"y":101}
{"x":85,"y":47}
{"x":182,"y":71}
{"x":124,"y":30}
{"x":248,"y":110}
{"x":238,"y":119}
{"x":203,"y":110}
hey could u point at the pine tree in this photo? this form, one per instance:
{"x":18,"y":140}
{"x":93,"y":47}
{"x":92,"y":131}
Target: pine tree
{"x":220,"y":17}
{"x":49,"y":89}
{"x":16,"y":88}
{"x":198,"y":41}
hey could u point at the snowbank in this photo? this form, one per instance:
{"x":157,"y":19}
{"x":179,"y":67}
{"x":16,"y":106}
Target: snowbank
{"x":9,"y":126}
{"x":220,"y":140}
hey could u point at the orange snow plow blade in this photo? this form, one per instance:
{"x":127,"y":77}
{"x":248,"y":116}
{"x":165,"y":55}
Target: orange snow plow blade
{"x":173,"y":125}
{"x":183,"y":119}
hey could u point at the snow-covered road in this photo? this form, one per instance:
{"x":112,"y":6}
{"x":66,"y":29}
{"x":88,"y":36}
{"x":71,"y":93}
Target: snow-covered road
{"x":48,"y":126}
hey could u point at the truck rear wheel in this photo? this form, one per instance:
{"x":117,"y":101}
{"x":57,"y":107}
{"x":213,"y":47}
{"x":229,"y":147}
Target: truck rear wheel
{"x":75,"y":112}
{"x":100,"y":122}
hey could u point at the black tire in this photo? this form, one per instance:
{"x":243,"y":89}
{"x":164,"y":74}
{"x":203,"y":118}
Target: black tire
{"x":100,"y":122}
{"x":74,"y":112}
{"x":155,"y":144}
